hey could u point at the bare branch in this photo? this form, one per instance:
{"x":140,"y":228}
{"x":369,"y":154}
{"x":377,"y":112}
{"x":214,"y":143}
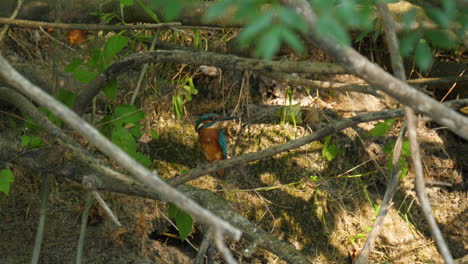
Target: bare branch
{"x":377,"y":77}
{"x":228,"y":62}
{"x":144,"y":175}
{"x":90,"y":27}
{"x":421,"y":191}
{"x":335,"y":86}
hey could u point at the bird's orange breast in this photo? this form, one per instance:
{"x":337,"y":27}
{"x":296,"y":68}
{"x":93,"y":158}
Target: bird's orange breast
{"x":208,"y":138}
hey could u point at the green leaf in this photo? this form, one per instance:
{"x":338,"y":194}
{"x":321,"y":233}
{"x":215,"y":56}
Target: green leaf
{"x":409,"y":18}
{"x":440,"y":39}
{"x":127,"y":114}
{"x":96,"y":60}
{"x":216,"y":10}
{"x":381,"y":128}
{"x":66,"y":97}
{"x":291,"y":19}
{"x":450,"y":8}
{"x":177,"y":105}
{"x":408,"y":42}
{"x":328,"y":26}
{"x":388,"y":147}
{"x":84,"y":76}
{"x":256,"y":27}
{"x":404,"y":171}
{"x":423,"y":55}
{"x":327,"y":141}
{"x":136,"y":131}
{"x":36,"y":142}
{"x":110,"y":90}
{"x":149,"y":11}
{"x":184,"y":224}
{"x":322,"y":5}
{"x":142,"y":159}
{"x":406,"y":148}
{"x":154,"y":134}
{"x":363,"y":34}
{"x":73,"y":65}
{"x":113,"y":45}
{"x":6,"y":178}
{"x":183,"y":220}
{"x":269,"y":43}
{"x":438,"y":16}
{"x":331,"y":152}
{"x":172,"y":210}
{"x":122,"y":138}
{"x":171,"y":8}
{"x":126,"y":2}
{"x":186,"y":88}
{"x":346,"y":12}
{"x":25,"y":141}
{"x":292,"y":40}
{"x":248,"y":10}
{"x":53,"y":118}
{"x":188,"y":97}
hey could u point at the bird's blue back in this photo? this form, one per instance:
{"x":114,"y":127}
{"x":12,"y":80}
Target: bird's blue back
{"x":222,"y":142}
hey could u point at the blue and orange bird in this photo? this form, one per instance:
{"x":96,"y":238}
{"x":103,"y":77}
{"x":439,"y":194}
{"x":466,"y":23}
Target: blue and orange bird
{"x":211,"y":138}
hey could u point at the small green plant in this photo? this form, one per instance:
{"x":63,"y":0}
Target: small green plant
{"x":290,"y":113}
{"x":123,"y":126}
{"x":404,"y":156}
{"x":313,"y":178}
{"x":181,"y":97}
{"x":183,"y":220}
{"x":381,"y":129}
{"x":330,"y":151}
{"x":31,"y":142}
{"x":6,"y":179}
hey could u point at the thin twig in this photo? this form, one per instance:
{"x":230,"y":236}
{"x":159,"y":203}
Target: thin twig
{"x":223,"y":250}
{"x":90,"y":27}
{"x":106,"y":208}
{"x":143,"y":70}
{"x":84,"y":224}
{"x":42,"y":216}
{"x":58,"y":41}
{"x":13,"y":15}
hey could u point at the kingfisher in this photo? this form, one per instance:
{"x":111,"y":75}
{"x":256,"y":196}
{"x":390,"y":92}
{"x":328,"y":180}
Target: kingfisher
{"x":211,"y":138}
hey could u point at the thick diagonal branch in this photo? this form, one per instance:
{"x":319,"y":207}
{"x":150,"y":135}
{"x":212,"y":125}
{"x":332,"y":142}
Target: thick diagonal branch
{"x":141,"y":173}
